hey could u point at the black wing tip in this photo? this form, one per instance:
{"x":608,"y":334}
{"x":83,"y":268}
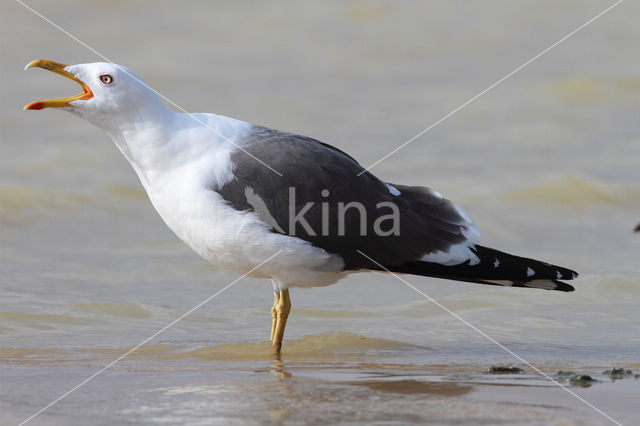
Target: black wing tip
{"x":542,"y":284}
{"x":563,"y":275}
{"x":561,"y":286}
{"x":566,"y":274}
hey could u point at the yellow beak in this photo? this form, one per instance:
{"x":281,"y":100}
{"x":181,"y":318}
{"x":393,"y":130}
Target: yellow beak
{"x":58,"y":69}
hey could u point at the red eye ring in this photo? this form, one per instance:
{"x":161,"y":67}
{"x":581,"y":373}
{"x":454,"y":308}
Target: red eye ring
{"x":106,"y":79}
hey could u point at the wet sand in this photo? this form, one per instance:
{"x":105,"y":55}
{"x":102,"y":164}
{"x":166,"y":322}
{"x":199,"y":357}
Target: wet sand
{"x":341,"y":383}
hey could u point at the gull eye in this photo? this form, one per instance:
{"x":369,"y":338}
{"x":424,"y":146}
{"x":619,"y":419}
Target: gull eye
{"x":106,"y":79}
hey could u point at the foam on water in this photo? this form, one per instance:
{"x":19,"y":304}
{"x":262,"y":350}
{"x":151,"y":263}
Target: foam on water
{"x":125,"y":309}
{"x":28,"y":200}
{"x":575,"y":191}
{"x":592,"y":89}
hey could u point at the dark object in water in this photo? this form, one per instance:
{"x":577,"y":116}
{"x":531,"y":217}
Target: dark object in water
{"x":637,"y":228}
{"x":581,"y":380}
{"x":499,"y":369}
{"x":617,"y":373}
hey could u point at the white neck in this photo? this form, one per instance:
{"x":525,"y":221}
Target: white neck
{"x":164,"y":141}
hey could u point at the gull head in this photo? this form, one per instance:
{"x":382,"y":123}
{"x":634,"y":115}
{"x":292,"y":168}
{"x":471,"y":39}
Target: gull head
{"x":111,"y":94}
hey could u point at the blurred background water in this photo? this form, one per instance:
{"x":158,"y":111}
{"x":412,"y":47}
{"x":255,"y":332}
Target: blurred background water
{"x":546,"y":163}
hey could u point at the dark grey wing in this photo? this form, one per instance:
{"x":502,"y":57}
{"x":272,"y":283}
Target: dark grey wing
{"x":321,"y":199}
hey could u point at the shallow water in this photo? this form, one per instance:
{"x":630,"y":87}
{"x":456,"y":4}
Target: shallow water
{"x":546,"y":163}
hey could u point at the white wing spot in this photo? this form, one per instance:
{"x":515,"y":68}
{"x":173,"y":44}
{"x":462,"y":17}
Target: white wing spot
{"x":530,"y":272}
{"x":456,"y":255}
{"x":558,"y":274}
{"x":392,"y":189}
{"x":496,"y":263}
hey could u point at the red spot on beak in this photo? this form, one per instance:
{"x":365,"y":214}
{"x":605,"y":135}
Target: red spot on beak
{"x":35,"y":106}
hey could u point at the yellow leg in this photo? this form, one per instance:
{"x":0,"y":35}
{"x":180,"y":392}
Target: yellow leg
{"x":274,"y":311}
{"x":283,"y":307}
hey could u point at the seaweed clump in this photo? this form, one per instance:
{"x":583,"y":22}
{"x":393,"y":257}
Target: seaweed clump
{"x":617,"y":373}
{"x":575,"y":379}
{"x":500,"y":369}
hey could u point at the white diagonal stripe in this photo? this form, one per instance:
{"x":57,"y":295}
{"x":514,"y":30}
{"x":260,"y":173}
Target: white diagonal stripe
{"x":491,"y":87}
{"x":155,"y":91}
{"x":495,"y":341}
{"x":88,"y":379}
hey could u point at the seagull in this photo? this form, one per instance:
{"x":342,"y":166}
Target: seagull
{"x":238,"y":193}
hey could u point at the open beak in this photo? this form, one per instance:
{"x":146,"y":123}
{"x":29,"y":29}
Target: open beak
{"x":58,"y":69}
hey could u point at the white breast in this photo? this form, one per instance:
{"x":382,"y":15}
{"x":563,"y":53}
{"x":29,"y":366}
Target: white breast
{"x":239,"y":240}
{"x":182,"y":191}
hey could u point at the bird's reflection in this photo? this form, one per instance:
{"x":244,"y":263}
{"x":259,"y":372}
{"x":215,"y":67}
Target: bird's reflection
{"x":278,"y":369}
{"x":280,"y":412}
